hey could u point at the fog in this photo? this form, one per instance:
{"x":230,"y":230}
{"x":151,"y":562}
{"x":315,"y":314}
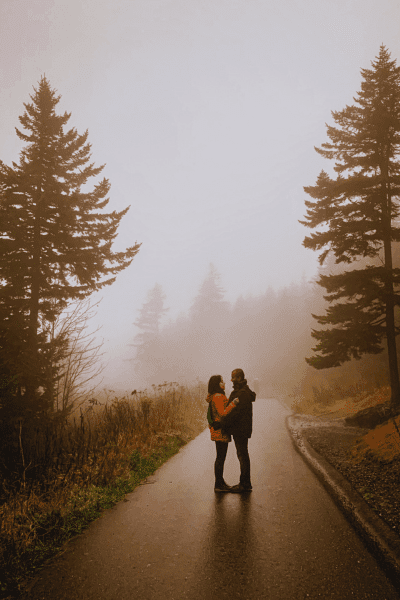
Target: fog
{"x":206,"y":114}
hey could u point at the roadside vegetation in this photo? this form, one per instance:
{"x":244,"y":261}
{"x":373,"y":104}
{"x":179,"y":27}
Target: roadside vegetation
{"x":61,"y":474}
{"x":382,"y":443}
{"x":333,"y":400}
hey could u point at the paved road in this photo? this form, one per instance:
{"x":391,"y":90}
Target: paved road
{"x":174,"y":539}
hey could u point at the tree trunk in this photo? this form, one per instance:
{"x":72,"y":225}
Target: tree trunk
{"x":32,"y":358}
{"x":392,"y":349}
{"x":389,"y":293}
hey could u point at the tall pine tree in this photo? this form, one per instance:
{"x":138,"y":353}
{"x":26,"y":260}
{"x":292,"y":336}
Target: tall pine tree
{"x":357,"y":213}
{"x":55,"y":239}
{"x":149,"y":360}
{"x":209,"y":322}
{"x":151,"y":315}
{"x":209,"y":306}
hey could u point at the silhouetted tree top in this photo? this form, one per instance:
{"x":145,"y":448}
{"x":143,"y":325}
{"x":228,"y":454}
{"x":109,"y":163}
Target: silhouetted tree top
{"x":356,"y":214}
{"x":56,"y":238}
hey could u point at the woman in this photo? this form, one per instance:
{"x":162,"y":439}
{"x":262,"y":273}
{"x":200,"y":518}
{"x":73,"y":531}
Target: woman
{"x":219,"y":407}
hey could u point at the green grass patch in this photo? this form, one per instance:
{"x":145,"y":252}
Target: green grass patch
{"x":50,"y":531}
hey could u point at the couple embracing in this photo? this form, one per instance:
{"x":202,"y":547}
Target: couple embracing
{"x":229,"y":418}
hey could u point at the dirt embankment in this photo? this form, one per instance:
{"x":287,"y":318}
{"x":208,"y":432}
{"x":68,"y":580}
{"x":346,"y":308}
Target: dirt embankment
{"x":369,"y":459}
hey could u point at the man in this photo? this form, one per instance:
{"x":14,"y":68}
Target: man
{"x":239,"y":423}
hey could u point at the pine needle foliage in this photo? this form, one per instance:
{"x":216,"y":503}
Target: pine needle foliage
{"x":55,"y":236}
{"x":356,"y":217}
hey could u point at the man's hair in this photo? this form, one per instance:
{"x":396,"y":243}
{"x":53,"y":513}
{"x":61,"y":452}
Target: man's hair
{"x":213,"y":385}
{"x":238,"y":372}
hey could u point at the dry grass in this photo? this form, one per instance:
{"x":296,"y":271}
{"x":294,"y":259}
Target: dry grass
{"x":381,"y":443}
{"x":343,"y":403}
{"x":67,"y":472}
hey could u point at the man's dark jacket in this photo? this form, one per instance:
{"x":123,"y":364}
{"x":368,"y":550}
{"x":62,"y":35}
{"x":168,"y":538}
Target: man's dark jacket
{"x":240,"y":421}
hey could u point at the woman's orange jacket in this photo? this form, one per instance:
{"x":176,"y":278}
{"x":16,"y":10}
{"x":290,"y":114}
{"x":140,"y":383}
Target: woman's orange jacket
{"x":219,"y":407}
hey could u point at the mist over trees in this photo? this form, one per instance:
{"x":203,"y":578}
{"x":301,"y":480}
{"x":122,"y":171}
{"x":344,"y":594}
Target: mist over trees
{"x":55,"y":248}
{"x":148,"y":358}
{"x":191,"y":346}
{"x":268,"y":336}
{"x":356,"y":214}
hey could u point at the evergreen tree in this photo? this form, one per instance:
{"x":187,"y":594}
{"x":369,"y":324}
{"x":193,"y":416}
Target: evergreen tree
{"x":209,"y":305}
{"x":151,"y":314}
{"x":55,"y":241}
{"x":209,"y":322}
{"x":357,"y":212}
{"x":149,"y":359}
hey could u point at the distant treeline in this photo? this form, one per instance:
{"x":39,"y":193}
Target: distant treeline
{"x":268,"y":336}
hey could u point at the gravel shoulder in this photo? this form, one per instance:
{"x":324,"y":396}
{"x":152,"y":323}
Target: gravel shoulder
{"x":376,"y":479}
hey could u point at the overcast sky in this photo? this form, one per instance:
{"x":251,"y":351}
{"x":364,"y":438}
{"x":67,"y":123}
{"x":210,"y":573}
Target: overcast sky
{"x":206,"y":114}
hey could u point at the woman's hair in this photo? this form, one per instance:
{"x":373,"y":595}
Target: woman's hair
{"x":213,"y":385}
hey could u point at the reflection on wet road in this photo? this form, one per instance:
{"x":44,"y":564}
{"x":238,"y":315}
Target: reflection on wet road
{"x":175,"y":539}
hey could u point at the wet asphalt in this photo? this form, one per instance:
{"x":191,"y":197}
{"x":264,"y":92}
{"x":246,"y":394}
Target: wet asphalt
{"x":173,"y":538}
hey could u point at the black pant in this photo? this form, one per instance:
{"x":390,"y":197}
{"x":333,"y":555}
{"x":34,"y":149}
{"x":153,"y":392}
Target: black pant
{"x":242,"y":452}
{"x":222,"y":449}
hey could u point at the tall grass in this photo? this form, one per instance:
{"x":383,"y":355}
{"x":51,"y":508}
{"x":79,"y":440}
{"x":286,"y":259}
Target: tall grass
{"x":349,"y":399}
{"x":59,"y":474}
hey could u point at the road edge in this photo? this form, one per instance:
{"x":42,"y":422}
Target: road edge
{"x":379,"y":539}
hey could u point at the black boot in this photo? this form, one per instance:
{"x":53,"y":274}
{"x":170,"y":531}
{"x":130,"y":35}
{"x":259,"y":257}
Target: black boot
{"x":222,"y":487}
